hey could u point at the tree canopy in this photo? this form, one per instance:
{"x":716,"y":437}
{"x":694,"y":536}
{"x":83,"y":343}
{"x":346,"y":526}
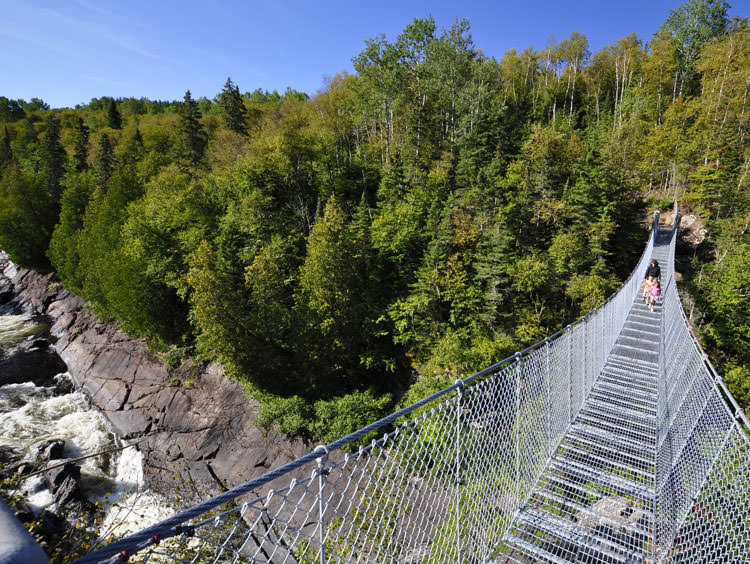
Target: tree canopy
{"x":411,"y":223}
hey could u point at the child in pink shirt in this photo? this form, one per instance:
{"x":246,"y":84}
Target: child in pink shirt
{"x":654,"y":293}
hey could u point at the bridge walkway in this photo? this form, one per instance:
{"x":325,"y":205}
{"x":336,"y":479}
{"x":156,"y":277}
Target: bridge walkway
{"x":594,"y":503}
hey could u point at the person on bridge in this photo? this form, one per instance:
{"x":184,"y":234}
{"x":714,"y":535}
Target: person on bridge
{"x":654,"y":294}
{"x":654,"y":270}
{"x":646,"y":286}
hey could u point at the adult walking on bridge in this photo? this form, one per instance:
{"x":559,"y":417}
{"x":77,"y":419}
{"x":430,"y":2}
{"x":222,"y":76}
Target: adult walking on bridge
{"x":653,"y":270}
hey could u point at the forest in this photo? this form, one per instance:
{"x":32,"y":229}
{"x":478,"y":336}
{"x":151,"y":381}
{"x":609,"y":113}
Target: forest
{"x":348,"y":252}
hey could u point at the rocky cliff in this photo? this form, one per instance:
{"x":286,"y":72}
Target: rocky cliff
{"x":202,"y":437}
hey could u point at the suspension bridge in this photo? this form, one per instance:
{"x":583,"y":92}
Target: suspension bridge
{"x":613,"y":441}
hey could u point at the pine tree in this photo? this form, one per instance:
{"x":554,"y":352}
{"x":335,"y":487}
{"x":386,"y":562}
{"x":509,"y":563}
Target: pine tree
{"x":114,"y":119}
{"x":232,"y":108}
{"x":80,"y":146}
{"x":192,"y":137}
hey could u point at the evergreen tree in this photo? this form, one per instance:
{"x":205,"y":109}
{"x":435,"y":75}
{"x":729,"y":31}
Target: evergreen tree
{"x":133,"y":150}
{"x":232,"y":107}
{"x":104,"y":161}
{"x":63,"y":248}
{"x":192,"y":141}
{"x":11,"y":110}
{"x":25,"y":217}
{"x":25,"y":143}
{"x":53,"y":158}
{"x":35,"y":104}
{"x":6,"y":153}
{"x":114,"y":119}
{"x":80,"y":146}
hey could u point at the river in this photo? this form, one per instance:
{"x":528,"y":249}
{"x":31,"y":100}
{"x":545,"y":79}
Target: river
{"x":31,"y":414}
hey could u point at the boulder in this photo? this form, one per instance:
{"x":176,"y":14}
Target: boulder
{"x":59,"y":472}
{"x":616,"y":515}
{"x":33,"y":360}
{"x":51,"y":449}
{"x":69,"y":493}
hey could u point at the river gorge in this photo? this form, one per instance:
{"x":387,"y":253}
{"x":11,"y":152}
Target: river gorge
{"x":74,"y":386}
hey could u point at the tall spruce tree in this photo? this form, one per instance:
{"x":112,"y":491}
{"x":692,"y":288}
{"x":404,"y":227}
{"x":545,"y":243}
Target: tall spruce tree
{"x":232,"y":108}
{"x":193,"y":139}
{"x":6,"y":153}
{"x":53,"y":158}
{"x":104,"y":161}
{"x":114,"y":119}
{"x":80,"y":146}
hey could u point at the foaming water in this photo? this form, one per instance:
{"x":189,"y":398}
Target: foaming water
{"x":16,"y":328}
{"x":131,"y":508}
{"x":31,"y":414}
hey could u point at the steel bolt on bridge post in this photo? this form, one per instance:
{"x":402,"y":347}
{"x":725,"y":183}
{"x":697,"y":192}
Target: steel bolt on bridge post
{"x":322,"y":472}
{"x":459,"y":408}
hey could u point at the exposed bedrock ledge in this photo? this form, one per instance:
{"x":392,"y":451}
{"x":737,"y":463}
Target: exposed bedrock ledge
{"x":203,"y":437}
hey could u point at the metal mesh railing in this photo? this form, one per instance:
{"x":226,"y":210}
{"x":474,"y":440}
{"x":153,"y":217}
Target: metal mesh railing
{"x":702,"y":459}
{"x":450,"y":473}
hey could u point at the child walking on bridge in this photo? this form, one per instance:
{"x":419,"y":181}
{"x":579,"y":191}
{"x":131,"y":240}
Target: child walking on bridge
{"x":654,"y":294}
{"x":646,"y":287}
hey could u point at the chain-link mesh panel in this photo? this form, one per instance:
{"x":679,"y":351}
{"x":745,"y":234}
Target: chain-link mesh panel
{"x":702,"y":456}
{"x":717,"y":525}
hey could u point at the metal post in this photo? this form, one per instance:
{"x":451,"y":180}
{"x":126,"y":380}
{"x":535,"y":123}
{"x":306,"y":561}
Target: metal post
{"x":322,"y":473}
{"x":584,"y":372}
{"x":569,"y":333}
{"x":549,"y":400}
{"x":459,"y":408}
{"x":518,"y":429}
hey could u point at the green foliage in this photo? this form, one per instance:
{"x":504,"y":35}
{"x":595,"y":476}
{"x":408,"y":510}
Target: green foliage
{"x":326,"y":420}
{"x":104,"y":160}
{"x":417,"y":221}
{"x":11,"y":110}
{"x":80,"y":146}
{"x":192,"y":138}
{"x":692,"y":25}
{"x":63,"y":248}
{"x":6,"y":152}
{"x":727,"y":289}
{"x":232,"y":108}
{"x":292,"y":415}
{"x":340,"y":416}
{"x":737,"y":379}
{"x":114,"y":119}
{"x":26,"y":213}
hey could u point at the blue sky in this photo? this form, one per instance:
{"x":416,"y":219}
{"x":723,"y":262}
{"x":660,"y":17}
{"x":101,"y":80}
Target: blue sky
{"x":68,"y":51}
